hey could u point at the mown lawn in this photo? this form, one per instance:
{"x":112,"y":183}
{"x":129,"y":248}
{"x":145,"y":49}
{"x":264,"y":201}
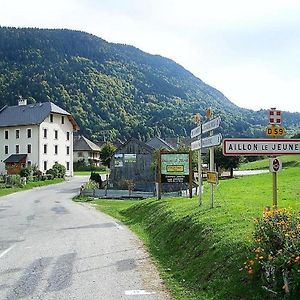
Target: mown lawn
{"x":200,"y":250}
{"x":287,"y":161}
{"x":88,"y":173}
{"x":29,"y":185}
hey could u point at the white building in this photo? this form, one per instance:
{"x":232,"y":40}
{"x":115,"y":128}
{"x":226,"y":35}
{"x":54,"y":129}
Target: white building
{"x":87,"y":151}
{"x":36,"y":134}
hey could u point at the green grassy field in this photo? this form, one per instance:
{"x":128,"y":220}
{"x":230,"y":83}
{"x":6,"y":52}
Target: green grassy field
{"x":29,"y":185}
{"x":200,"y":250}
{"x":88,"y":173}
{"x":287,"y":161}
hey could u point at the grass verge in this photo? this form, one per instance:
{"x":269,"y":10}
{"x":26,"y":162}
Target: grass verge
{"x":200,"y":250}
{"x":287,"y":161}
{"x":88,"y":173}
{"x":29,"y":185}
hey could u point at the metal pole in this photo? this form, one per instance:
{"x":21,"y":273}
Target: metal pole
{"x":200,"y":169}
{"x":190,"y":175}
{"x":211,"y":168}
{"x":274,"y":190}
{"x":159,"y":176}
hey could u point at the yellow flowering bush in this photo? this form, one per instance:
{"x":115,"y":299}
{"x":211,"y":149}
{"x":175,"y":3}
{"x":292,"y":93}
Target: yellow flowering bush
{"x":276,"y":256}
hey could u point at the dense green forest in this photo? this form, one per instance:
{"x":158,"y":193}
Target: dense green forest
{"x":114,"y":90}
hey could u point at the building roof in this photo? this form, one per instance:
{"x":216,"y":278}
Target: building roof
{"x":31,"y":114}
{"x":136,"y":141}
{"x":81,"y":143}
{"x":15,"y":158}
{"x":158,"y":143}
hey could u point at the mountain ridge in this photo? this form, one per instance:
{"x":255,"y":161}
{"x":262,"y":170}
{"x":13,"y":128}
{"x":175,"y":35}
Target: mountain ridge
{"x":114,"y":90}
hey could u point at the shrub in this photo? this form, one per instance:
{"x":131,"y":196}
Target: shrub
{"x":276,"y":256}
{"x":96,"y":178}
{"x":26,"y":172}
{"x":13,"y":180}
{"x":59,"y":170}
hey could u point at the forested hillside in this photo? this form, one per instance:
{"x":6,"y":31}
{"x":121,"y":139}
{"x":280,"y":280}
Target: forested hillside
{"x":114,"y":90}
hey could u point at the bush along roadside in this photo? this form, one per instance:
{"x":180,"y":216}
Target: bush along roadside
{"x":274,"y":263}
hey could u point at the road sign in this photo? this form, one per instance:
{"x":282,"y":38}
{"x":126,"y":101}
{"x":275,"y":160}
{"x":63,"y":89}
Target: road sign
{"x":274,"y":116}
{"x":211,"y":125}
{"x":275,"y":165}
{"x":196,"y":131}
{"x":212,"y":177}
{"x":258,"y":147}
{"x":275,"y":131}
{"x":212,"y":141}
{"x":196,"y":145}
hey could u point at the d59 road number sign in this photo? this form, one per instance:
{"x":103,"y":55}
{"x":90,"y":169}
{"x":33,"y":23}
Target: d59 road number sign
{"x":275,"y":131}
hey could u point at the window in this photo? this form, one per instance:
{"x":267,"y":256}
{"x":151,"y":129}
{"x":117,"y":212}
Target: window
{"x":62,"y":120}
{"x":29,"y":133}
{"x":56,"y":134}
{"x":5,"y":149}
{"x":6,"y":134}
{"x":45,"y":148}
{"x":45,"y":165}
{"x":17,"y":133}
{"x":29,"y":163}
{"x":45,"y":133}
{"x":80,"y":154}
{"x":51,"y":118}
{"x":68,"y":150}
{"x":28,"y":148}
{"x":55,"y":149}
{"x":17,"y":149}
{"x":68,"y":166}
{"x":68,"y":135}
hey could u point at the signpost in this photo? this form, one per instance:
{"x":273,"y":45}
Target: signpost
{"x":274,"y":131}
{"x":174,"y":167}
{"x":259,"y":147}
{"x":209,"y":142}
{"x":275,"y":165}
{"x":212,"y":177}
{"x":271,"y":147}
{"x":196,"y":145}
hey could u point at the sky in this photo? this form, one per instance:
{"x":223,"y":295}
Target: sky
{"x":248,"y":50}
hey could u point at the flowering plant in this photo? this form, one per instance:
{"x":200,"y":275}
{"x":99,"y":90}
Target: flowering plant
{"x":276,"y":256}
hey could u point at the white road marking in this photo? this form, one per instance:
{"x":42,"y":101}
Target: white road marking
{"x":7,"y":250}
{"x":118,"y":226}
{"x":138,"y":292}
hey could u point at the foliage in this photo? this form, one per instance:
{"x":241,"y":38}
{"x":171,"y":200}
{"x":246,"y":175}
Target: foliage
{"x":81,"y":165}
{"x":225,"y":162}
{"x":57,"y":171}
{"x":26,"y":172}
{"x":276,"y":256}
{"x":106,"y":152}
{"x":113,"y":90}
{"x":96,"y":178}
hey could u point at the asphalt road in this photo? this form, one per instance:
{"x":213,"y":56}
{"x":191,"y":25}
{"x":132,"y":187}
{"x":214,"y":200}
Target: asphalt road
{"x":53,"y":248}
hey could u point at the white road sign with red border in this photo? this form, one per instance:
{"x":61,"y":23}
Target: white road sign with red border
{"x":257,"y":147}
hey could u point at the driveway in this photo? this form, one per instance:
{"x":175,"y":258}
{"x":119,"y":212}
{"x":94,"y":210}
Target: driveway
{"x":53,"y":248}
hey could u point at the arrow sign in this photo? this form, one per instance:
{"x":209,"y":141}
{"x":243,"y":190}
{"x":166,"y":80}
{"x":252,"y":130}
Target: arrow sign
{"x":212,"y":141}
{"x":195,"y":132}
{"x":196,"y":145}
{"x":211,"y":125}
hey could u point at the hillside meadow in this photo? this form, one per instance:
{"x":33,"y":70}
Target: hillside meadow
{"x":199,"y":250}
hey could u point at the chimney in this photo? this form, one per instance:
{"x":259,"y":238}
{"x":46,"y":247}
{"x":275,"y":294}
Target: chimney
{"x":22,"y":101}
